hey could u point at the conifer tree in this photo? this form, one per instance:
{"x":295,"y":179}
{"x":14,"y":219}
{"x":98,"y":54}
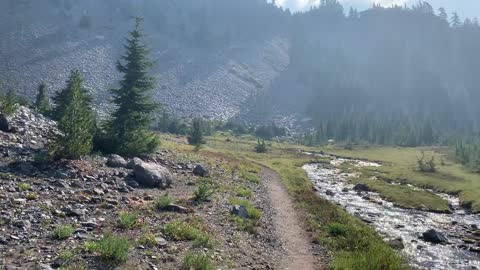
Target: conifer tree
{"x":9,"y":103}
{"x":42,"y":102}
{"x":129,"y":130}
{"x":76,"y":120}
{"x":196,"y":133}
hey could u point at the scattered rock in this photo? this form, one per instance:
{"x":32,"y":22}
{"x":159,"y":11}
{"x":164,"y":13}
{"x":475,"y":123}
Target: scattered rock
{"x":434,"y":236}
{"x":134,"y":162}
{"x":397,"y":243}
{"x":361,"y":187}
{"x":199,"y":170}
{"x":177,"y":208}
{"x":152,"y":175}
{"x":330,"y":193}
{"x":116,"y":161}
{"x":239,"y":210}
{"x":5,"y":124}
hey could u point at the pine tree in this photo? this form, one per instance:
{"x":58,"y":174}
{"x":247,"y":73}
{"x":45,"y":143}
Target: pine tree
{"x":9,"y":103}
{"x":76,"y":121}
{"x":42,"y":102}
{"x":196,"y":133}
{"x":455,"y":20}
{"x":129,"y":130}
{"x":261,"y":147}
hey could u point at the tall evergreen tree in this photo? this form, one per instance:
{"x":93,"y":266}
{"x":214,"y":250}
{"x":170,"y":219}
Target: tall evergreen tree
{"x":196,"y":133}
{"x":9,"y":102}
{"x":76,"y":121}
{"x":129,"y":130}
{"x":42,"y":102}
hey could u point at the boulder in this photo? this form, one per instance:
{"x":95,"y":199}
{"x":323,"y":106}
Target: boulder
{"x":330,"y":193}
{"x":434,"y":236}
{"x":177,"y":209}
{"x":5,"y":124}
{"x":361,"y":187}
{"x":396,"y":243}
{"x":152,"y":175}
{"x":116,"y":161}
{"x":240,"y":211}
{"x":199,"y":170}
{"x":135,"y":161}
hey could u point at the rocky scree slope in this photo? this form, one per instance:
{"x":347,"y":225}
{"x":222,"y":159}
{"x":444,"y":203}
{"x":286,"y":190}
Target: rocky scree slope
{"x":90,"y":194}
{"x":210,"y":82}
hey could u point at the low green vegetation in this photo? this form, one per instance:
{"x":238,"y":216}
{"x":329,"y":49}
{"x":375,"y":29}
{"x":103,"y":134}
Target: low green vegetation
{"x":203,"y":192}
{"x":127,"y":220}
{"x":63,"y":232}
{"x":243,"y":191}
{"x":148,"y":240}
{"x":350,"y":245}
{"x":194,"y":261}
{"x":403,"y":195}
{"x":181,"y":231}
{"x":254,"y":214}
{"x":23,"y":186}
{"x":261,"y":147}
{"x":163,"y":202}
{"x":111,"y":249}
{"x":400,"y":164}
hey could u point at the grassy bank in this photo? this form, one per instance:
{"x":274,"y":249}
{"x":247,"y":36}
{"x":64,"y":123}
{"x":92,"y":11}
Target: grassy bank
{"x":400,"y":165}
{"x":354,"y":245}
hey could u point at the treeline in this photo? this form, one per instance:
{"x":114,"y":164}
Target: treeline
{"x":168,"y":123}
{"x":467,"y":152}
{"x":399,"y":71}
{"x":391,"y":129}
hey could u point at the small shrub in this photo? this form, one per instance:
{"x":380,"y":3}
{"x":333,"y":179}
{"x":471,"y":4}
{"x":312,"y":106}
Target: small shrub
{"x":63,"y":232}
{"x":24,"y":186}
{"x":337,"y":229}
{"x":194,"y":261}
{"x":66,"y":255}
{"x":184,"y":231}
{"x":244,"y":192}
{"x":180,"y":230}
{"x":31,"y":196}
{"x":163,"y":202}
{"x":203,"y":193}
{"x":261,"y":147}
{"x":127,"y":220}
{"x":203,"y":240}
{"x":148,"y":240}
{"x":112,"y":249}
{"x":249,"y":176}
{"x":426,"y":166}
{"x":90,"y":246}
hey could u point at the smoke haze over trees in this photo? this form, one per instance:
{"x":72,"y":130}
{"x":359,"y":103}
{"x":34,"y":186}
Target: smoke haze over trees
{"x":403,"y":75}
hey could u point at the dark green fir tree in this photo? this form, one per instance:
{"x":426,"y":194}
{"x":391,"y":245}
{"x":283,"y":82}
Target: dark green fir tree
{"x":129,"y":129}
{"x":76,"y":121}
{"x":42,"y":101}
{"x":196,"y":133}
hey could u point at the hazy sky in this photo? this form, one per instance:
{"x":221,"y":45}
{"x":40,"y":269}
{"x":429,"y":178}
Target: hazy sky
{"x":466,"y":8}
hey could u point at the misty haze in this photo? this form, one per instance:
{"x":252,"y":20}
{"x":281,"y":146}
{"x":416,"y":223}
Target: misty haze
{"x":239,"y":134}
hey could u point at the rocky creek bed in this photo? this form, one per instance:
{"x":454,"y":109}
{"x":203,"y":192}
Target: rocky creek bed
{"x":456,"y":235}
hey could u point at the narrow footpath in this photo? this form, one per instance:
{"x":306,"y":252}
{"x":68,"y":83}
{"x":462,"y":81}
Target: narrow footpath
{"x":290,"y":229}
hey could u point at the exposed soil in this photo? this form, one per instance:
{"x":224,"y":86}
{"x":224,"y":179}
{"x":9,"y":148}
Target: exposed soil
{"x":287,"y":221}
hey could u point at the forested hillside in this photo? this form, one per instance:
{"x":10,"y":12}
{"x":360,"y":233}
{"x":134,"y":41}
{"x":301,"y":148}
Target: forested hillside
{"x":404,"y":75}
